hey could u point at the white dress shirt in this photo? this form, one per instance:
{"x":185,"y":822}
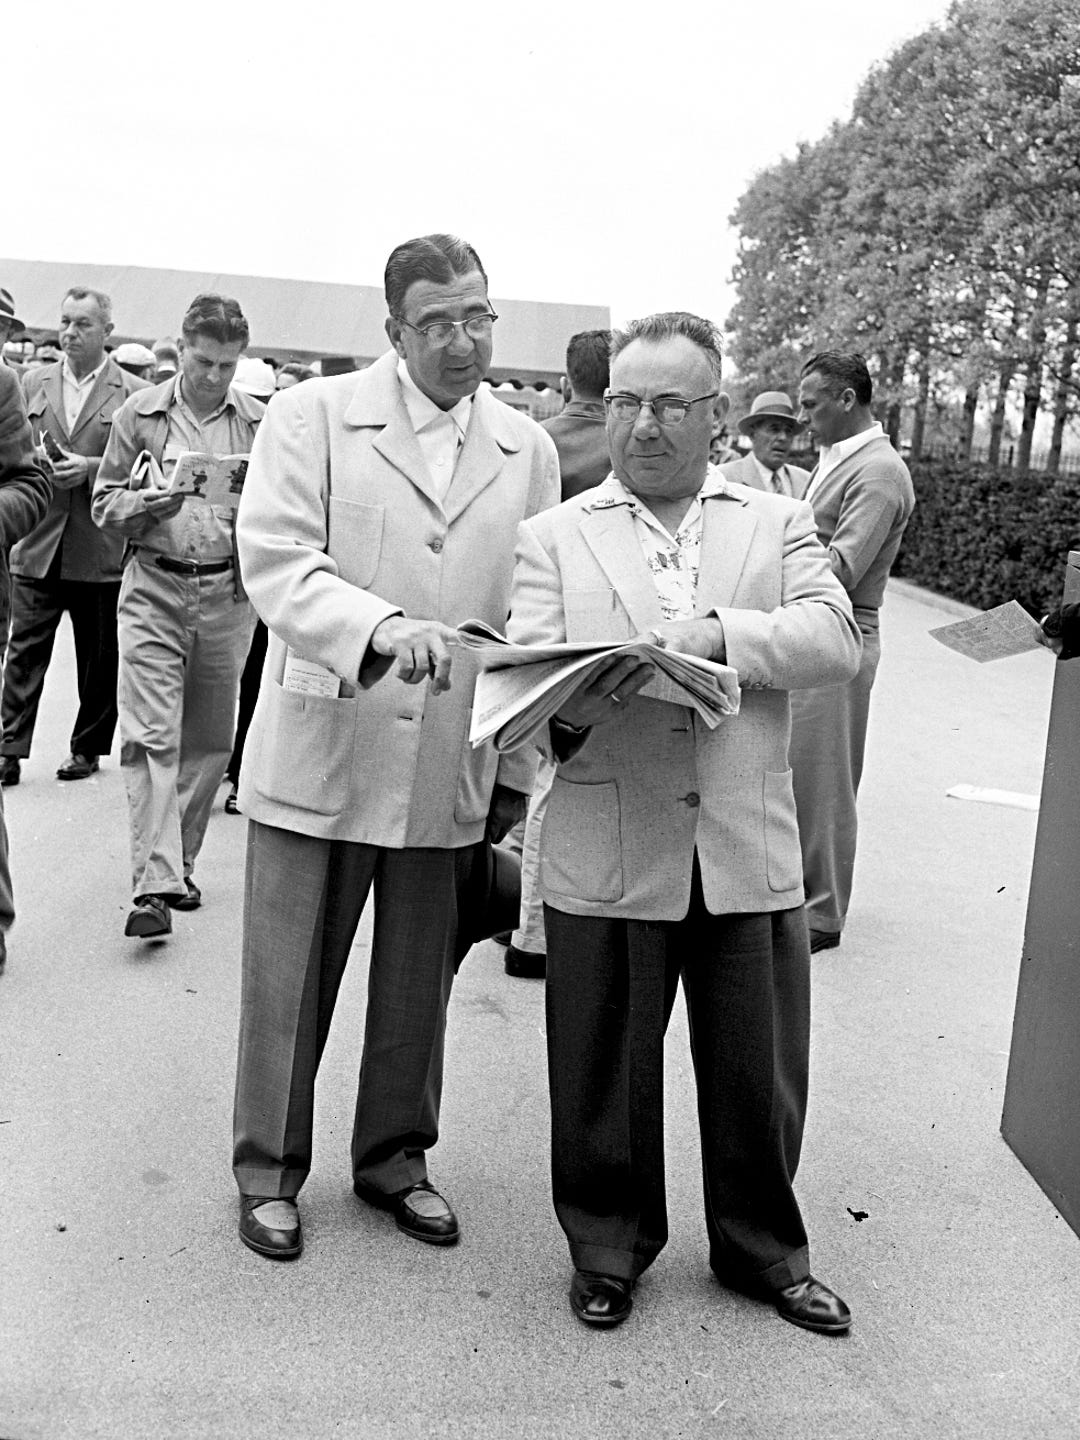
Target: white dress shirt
{"x":75,"y":391}
{"x":777,"y":480}
{"x":830,"y":456}
{"x":441,"y":433}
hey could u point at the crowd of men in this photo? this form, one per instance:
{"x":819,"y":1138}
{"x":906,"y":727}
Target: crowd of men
{"x":380,"y":509}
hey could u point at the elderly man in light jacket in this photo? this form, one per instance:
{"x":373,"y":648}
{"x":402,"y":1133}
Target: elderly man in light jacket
{"x":379,"y":511}
{"x":670,"y":849}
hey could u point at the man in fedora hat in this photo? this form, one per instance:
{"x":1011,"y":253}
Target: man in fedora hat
{"x":9,"y":325}
{"x":771,"y":427}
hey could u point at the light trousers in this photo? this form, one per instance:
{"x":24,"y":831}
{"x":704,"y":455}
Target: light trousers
{"x":183,"y":642}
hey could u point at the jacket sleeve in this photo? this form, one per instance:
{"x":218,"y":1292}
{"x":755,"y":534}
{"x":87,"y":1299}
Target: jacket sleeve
{"x":115,"y":505}
{"x":872,"y":505}
{"x":25,"y":490}
{"x":282,"y":535}
{"x":810,"y":638}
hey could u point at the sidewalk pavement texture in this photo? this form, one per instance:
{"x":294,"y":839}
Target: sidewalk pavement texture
{"x":131,"y":1310}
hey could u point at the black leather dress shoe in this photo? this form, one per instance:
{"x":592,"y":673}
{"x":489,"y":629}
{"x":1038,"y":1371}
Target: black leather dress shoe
{"x":77,"y":767}
{"x":277,"y":1242}
{"x":10,"y":771}
{"x":419,"y":1210}
{"x":813,"y":1306}
{"x":823,"y":940}
{"x":601,"y":1300}
{"x":190,"y":900}
{"x":525,"y":964}
{"x":148,"y":916}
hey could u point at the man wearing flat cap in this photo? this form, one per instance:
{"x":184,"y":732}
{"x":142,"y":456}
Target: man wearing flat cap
{"x":771,"y":427}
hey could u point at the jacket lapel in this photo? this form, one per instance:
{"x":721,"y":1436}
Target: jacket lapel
{"x":102,"y":387}
{"x":54,"y":395}
{"x":610,"y":535}
{"x":377,"y":402}
{"x":488,"y":439}
{"x":727,"y":529}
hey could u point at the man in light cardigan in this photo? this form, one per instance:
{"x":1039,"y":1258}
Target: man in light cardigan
{"x":862,"y":497}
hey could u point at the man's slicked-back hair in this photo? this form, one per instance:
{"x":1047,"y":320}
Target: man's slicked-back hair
{"x":588,"y":361}
{"x":100,"y":299}
{"x":842,"y":370}
{"x":439,"y":259}
{"x":217,"y":316}
{"x":665,"y":326}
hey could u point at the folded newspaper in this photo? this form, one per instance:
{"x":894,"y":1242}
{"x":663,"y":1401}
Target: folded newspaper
{"x":520,"y":687}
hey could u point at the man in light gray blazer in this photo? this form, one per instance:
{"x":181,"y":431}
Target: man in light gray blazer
{"x":379,"y":510}
{"x":670,"y":849}
{"x":771,"y":427}
{"x":863,"y":498}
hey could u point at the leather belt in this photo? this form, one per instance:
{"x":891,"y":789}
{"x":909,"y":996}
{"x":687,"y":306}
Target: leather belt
{"x":192,"y":567}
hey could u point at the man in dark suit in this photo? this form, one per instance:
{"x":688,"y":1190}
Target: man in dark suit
{"x":862,"y":498}
{"x":579,"y":430}
{"x":66,"y":563}
{"x":24,"y":498}
{"x":771,"y":427}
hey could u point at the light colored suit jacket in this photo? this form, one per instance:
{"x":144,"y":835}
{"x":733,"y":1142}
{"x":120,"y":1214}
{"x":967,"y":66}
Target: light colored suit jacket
{"x":633,"y":803}
{"x":862,"y":509}
{"x":88,"y":554}
{"x":339,"y":527}
{"x":745,"y":472}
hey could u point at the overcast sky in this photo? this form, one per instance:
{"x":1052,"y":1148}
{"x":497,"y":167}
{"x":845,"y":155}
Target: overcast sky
{"x":591,"y":152}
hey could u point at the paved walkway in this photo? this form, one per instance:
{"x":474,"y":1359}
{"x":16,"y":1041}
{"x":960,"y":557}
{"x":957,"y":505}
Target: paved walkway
{"x":130,"y":1310}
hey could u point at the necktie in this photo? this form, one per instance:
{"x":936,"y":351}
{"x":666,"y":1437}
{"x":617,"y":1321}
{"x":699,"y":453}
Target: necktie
{"x":780,"y":482}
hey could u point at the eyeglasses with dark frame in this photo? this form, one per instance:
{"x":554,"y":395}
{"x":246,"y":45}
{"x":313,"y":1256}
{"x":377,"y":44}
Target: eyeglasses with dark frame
{"x":440,"y":333}
{"x":667,"y":410}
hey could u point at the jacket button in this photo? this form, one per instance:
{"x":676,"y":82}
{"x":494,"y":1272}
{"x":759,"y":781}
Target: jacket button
{"x":436,"y":546}
{"x":693,"y":799}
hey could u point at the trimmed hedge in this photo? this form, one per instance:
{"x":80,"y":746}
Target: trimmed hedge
{"x":985,"y":536}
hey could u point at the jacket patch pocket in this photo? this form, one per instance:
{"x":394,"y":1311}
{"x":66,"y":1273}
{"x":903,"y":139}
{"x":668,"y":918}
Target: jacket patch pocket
{"x":595,"y":615}
{"x":783,"y":853}
{"x":476,"y":780}
{"x":581,"y":842}
{"x":354,"y":540}
{"x":306,"y":752}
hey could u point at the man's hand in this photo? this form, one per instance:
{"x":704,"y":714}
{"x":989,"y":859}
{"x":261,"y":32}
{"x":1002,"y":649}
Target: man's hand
{"x":72,"y":470}
{"x":161,"y":505}
{"x":609,"y":693}
{"x":702,"y":637}
{"x":506,"y":809}
{"x":420,"y":647}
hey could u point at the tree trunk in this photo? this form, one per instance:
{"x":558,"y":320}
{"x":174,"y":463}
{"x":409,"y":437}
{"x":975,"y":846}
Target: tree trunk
{"x":1063,"y":392}
{"x":997,"y":424}
{"x":967,"y":431}
{"x":894,"y":412}
{"x":1033,"y":375}
{"x":922,"y":400}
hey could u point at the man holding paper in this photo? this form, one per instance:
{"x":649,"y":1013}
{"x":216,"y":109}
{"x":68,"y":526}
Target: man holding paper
{"x":185,"y":622}
{"x":670,"y":849}
{"x":380,"y":510}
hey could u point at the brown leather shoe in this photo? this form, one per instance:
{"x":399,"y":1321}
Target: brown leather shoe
{"x":77,"y":767}
{"x":600,"y":1300}
{"x":148,"y":916}
{"x":813,"y":1306}
{"x":525,"y":964}
{"x":277,"y":1242}
{"x":419,"y":1211}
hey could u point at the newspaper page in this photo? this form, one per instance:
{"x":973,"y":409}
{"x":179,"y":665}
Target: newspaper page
{"x":218,"y":479}
{"x":994,"y":634}
{"x":520,"y":687}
